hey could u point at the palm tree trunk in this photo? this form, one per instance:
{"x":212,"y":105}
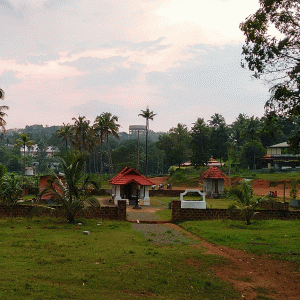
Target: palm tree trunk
{"x":24,"y":160}
{"x":101,"y":157}
{"x":138,"y":152}
{"x":147,"y":122}
{"x":109,"y":157}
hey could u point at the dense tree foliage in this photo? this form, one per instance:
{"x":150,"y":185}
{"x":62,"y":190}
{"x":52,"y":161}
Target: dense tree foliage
{"x":73,"y":194}
{"x":176,"y":145}
{"x":275,"y":54}
{"x":200,"y":143}
{"x":218,"y":137}
{"x":109,"y":151}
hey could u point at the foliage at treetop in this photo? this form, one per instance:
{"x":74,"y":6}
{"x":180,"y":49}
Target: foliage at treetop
{"x":200,"y":143}
{"x":24,"y":141}
{"x":275,"y":54}
{"x":176,"y":145}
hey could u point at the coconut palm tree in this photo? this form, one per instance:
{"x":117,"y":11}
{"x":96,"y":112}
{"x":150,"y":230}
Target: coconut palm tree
{"x":24,"y":141}
{"x":110,"y":127}
{"x":81,"y":134}
{"x":99,"y":131}
{"x":245,"y":201}
{"x":66,"y":132}
{"x":148,"y":115}
{"x":73,"y":191}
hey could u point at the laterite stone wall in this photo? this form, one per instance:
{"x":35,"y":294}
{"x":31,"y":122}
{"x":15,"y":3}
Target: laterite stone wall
{"x":105,"y":212}
{"x":184,"y":214}
{"x":274,"y":205}
{"x":165,"y":193}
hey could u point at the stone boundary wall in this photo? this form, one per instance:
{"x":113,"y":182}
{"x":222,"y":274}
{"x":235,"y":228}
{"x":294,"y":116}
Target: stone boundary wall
{"x":101,"y":192}
{"x":184,"y":214}
{"x":106,"y":212}
{"x":165,"y":193}
{"x":274,"y":205}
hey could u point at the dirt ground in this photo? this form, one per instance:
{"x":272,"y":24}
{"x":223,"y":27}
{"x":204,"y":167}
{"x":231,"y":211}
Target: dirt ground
{"x":260,"y":187}
{"x":253,"y":276}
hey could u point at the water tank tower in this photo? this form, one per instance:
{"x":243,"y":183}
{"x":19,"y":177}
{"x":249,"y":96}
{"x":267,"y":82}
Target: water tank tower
{"x":137,"y":129}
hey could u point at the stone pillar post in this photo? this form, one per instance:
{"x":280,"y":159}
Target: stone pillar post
{"x":122,"y":210}
{"x":118,"y":193}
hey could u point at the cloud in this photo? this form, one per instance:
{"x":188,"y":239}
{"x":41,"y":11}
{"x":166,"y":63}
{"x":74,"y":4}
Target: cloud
{"x":94,"y":108}
{"x":212,"y":79}
{"x":8,"y":78}
{"x":95,"y":63}
{"x":41,"y":59}
{"x":117,"y":77}
{"x":5,"y":4}
{"x":60,"y":58}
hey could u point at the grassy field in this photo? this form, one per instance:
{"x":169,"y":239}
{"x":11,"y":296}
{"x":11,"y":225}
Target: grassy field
{"x":49,"y":259}
{"x":274,"y":238}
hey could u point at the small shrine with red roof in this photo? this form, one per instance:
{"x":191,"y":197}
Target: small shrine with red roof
{"x":130,"y":185}
{"x":213,"y":182}
{"x":214,"y":163}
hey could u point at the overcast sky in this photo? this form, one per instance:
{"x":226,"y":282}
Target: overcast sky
{"x":64,"y":58}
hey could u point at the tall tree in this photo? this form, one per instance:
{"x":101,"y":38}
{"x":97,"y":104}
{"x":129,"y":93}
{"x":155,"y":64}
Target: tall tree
{"x":271,"y":129}
{"x":252,"y":128}
{"x":24,"y":141}
{"x":252,"y":151}
{"x":148,"y":115}
{"x":275,"y":55}
{"x":81,"y":133}
{"x":176,"y":145}
{"x":99,"y":131}
{"x":237,"y":128}
{"x":66,"y":131}
{"x":200,"y":143}
{"x":218,"y":136}
{"x":106,"y":125}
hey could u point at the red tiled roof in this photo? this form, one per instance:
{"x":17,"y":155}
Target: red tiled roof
{"x":128,"y":175}
{"x":267,"y":157}
{"x":44,"y":184}
{"x":213,"y":173}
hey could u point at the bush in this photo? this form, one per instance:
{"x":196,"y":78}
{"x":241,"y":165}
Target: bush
{"x":11,"y":189}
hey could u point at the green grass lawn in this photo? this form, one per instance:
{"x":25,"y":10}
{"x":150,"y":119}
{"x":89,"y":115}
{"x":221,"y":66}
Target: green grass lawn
{"x":274,"y":238}
{"x":55,"y":260}
{"x":279,"y":176}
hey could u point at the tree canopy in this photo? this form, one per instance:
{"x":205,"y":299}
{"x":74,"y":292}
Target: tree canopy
{"x":275,"y":53}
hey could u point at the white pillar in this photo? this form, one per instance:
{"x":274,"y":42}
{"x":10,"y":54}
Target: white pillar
{"x":142,"y":192}
{"x":118,"y":193}
{"x":146,"y":195}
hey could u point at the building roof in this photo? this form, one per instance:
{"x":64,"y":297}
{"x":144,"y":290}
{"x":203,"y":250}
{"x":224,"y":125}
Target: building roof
{"x":128,"y":175}
{"x":213,"y":162}
{"x":44,"y":184}
{"x":281,"y":145}
{"x":213,"y":173}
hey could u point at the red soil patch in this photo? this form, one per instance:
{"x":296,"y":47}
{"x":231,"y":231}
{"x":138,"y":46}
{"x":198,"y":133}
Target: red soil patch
{"x":252,"y":274}
{"x":262,"y":187}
